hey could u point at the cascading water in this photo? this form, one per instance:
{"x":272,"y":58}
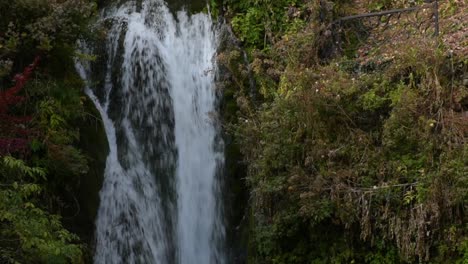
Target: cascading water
{"x":160,"y":196}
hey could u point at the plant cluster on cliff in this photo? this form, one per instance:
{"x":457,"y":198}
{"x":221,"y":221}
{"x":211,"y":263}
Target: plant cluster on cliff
{"x":351,"y":160}
{"x":40,"y":107}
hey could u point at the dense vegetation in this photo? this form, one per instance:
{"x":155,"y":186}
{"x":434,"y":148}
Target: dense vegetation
{"x":40,"y":164}
{"x":350,"y":158}
{"x":357,"y":155}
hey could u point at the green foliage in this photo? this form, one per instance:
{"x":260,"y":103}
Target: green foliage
{"x":259,"y":23}
{"x":41,"y":23}
{"x":39,"y":26}
{"x":249,"y":26}
{"x":29,"y":229}
{"x":30,"y":234}
{"x":347,"y":166}
{"x":36,"y":191}
{"x":381,"y":5}
{"x":18,"y":165}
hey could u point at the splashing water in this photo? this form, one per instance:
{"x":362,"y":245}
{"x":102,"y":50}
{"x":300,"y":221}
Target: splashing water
{"x":160,"y":197}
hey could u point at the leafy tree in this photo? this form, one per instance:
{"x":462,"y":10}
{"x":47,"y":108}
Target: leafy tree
{"x":40,"y":165}
{"x":29,"y":234}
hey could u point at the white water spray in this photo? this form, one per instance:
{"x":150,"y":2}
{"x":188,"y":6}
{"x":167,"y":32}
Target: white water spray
{"x":160,"y":198}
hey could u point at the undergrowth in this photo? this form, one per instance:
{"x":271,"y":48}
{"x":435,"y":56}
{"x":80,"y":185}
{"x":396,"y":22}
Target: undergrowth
{"x":347,"y":165}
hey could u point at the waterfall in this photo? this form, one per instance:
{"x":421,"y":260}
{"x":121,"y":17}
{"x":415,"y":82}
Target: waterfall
{"x":160,"y":200}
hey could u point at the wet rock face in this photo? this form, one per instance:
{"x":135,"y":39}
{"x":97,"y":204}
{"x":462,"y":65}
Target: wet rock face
{"x":190,"y":5}
{"x":94,"y":144}
{"x":230,"y":58}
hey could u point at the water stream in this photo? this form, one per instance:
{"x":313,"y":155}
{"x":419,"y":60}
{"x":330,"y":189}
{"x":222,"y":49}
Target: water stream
{"x":160,"y":200}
